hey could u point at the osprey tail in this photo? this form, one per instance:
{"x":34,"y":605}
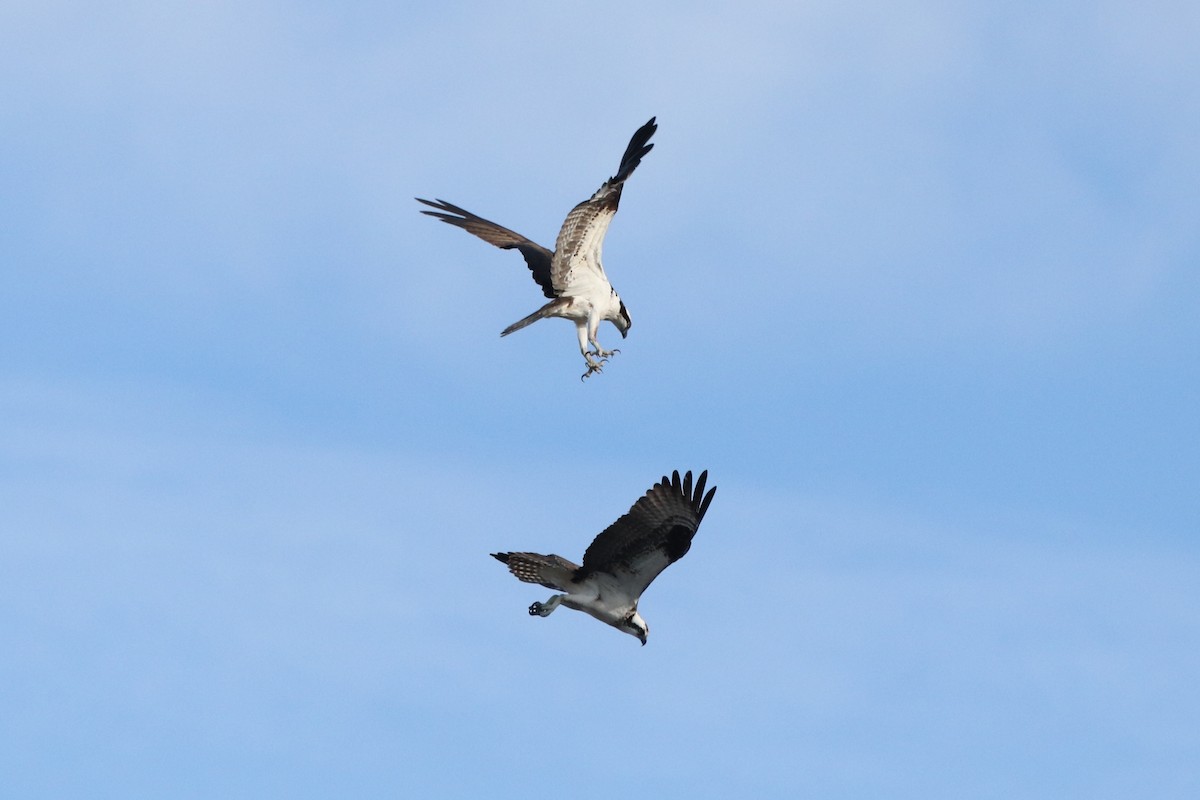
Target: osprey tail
{"x":553,"y":572}
{"x":549,"y":310}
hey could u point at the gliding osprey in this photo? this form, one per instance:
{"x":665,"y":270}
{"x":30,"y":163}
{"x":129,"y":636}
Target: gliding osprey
{"x":623,"y":560}
{"x":572,"y":275}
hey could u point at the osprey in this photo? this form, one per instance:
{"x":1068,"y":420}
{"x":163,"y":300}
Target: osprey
{"x":572,"y":275}
{"x":624,"y":559}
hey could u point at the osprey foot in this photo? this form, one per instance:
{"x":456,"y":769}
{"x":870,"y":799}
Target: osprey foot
{"x":544,"y":609}
{"x":601,"y":353}
{"x":593,"y":366}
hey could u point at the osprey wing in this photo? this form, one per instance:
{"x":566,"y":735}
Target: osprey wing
{"x":581,"y":238}
{"x":537,"y":257}
{"x":656,"y":533}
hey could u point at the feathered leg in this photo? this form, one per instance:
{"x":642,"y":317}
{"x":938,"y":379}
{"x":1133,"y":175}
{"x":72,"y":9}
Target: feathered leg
{"x":599,"y":350}
{"x":593,"y":331}
{"x":582,"y":329}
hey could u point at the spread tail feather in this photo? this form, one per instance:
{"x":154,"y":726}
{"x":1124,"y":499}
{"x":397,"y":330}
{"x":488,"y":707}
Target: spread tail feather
{"x":548,"y":310}
{"x":553,"y":572}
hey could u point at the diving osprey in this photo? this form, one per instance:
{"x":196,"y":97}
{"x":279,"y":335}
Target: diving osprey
{"x":623,"y":560}
{"x":571,"y":276}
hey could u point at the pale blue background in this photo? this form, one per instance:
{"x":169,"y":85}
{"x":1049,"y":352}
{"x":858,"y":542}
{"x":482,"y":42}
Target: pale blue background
{"x":917,"y":282}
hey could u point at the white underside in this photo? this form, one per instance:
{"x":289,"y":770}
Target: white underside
{"x":601,"y":596}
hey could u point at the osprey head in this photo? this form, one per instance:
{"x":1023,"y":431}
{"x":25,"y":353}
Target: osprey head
{"x":635,"y":626}
{"x":621,"y":320}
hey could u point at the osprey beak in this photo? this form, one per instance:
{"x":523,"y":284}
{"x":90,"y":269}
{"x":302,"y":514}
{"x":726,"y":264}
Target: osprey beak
{"x":643,"y":638}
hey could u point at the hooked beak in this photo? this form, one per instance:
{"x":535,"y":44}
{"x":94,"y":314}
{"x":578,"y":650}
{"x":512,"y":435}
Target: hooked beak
{"x":643,"y":638}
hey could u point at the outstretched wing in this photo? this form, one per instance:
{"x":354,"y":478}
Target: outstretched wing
{"x":537,"y":257}
{"x":581,"y":238}
{"x":553,"y":572}
{"x":656,"y":532}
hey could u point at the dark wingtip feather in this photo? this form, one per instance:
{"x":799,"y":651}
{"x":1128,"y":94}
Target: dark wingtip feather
{"x":691,"y":491}
{"x":442,"y":207}
{"x":501,"y":557}
{"x":696,"y":496}
{"x":704,"y":504}
{"x":438,"y":204}
{"x":637,"y":149}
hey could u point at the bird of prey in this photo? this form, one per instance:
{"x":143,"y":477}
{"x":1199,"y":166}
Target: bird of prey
{"x":571,"y":275}
{"x":623,"y":560}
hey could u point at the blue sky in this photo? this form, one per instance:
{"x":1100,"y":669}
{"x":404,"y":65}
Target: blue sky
{"x":917,"y":284}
